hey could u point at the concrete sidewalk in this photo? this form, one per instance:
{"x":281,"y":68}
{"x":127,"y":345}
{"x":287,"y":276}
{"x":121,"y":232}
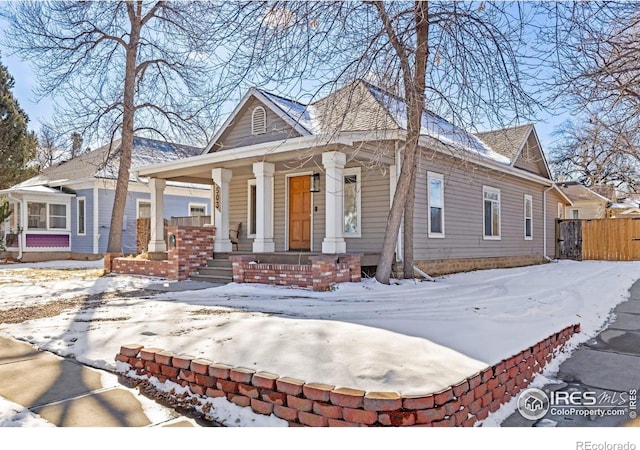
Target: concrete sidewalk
{"x":608,"y":365}
{"x":68,"y":394}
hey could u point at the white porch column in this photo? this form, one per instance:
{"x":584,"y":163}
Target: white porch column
{"x":333,"y":163}
{"x":263,"y":242}
{"x":222,"y":177}
{"x":156,"y":243}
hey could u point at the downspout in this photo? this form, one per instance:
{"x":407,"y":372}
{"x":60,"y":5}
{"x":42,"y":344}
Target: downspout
{"x":15,"y":200}
{"x":96,"y":219}
{"x":544,"y":223}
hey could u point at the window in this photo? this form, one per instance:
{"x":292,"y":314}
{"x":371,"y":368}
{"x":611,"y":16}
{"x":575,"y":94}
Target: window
{"x":58,"y":217}
{"x":575,"y":214}
{"x":258,"y":121}
{"x":435,"y":199}
{"x":491,"y":197}
{"x":144,"y":209}
{"x":82,"y":214}
{"x":251,"y":210}
{"x":560,"y":209}
{"x":528,"y":217}
{"x":197,"y":209}
{"x":351,"y":202}
{"x":36,"y":216}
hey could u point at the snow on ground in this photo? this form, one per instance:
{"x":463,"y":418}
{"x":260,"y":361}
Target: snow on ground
{"x":57,"y":280}
{"x":14,"y":415}
{"x":410,"y":337}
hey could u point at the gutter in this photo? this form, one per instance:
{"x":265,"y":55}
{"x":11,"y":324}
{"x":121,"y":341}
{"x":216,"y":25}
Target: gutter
{"x":544,"y":223}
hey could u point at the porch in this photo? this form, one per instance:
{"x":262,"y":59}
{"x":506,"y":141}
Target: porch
{"x":307,"y":197}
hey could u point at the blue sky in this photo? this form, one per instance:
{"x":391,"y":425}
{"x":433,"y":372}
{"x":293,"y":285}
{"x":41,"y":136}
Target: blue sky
{"x":42,"y":111}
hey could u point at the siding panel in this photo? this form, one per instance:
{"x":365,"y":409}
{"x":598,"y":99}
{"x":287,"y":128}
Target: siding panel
{"x":238,"y":133}
{"x":463,"y":213}
{"x":173,"y":206}
{"x":82,"y":244}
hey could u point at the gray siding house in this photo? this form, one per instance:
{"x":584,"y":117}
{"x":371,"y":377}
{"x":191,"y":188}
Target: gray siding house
{"x":320,"y":178}
{"x":65,"y":212}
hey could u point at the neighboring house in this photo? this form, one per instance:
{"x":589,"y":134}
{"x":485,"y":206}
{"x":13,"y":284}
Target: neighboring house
{"x":65,"y":212}
{"x":625,"y":207}
{"x":320,"y":178}
{"x":587,"y":204}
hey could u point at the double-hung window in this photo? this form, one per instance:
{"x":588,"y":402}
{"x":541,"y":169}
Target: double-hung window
{"x":197,"y":209}
{"x":491,"y":209}
{"x":435,"y":200}
{"x":36,"y":215}
{"x":528,"y":217}
{"x":57,"y":217}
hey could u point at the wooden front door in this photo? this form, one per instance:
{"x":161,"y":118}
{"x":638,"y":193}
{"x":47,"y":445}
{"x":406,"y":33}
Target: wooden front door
{"x":299,"y":213}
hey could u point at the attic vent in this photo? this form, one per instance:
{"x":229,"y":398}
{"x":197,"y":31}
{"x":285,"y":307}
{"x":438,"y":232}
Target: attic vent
{"x":258,"y":121}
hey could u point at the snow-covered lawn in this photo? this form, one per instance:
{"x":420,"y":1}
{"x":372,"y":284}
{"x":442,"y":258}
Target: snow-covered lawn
{"x":410,"y":337}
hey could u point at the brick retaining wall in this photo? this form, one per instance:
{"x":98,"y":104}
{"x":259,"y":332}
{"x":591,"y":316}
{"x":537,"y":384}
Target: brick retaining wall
{"x":323,"y":272}
{"x":194,"y":245}
{"x":320,"y":405}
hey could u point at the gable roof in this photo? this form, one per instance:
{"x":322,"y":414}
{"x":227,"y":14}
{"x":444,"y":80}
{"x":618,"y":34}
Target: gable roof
{"x":104,"y":161}
{"x":577,"y":192}
{"x":293,"y":113}
{"x":362,"y":107}
{"x":507,"y":141}
{"x":511,"y":142}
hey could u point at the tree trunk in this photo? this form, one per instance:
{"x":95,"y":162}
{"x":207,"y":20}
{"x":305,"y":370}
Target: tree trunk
{"x":409,"y":208}
{"x":414,"y":85}
{"x":126,"y":144}
{"x":385,"y":263}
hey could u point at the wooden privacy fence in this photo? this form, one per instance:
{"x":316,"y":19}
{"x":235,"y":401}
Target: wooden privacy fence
{"x":600,"y":239}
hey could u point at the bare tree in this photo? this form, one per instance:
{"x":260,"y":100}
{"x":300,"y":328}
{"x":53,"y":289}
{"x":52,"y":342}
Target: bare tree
{"x":122,"y":68}
{"x":460,"y":59}
{"x":50,"y":147}
{"x":597,"y":62}
{"x":598,"y":154}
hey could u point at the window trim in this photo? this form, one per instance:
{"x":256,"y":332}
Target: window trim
{"x":440,"y":177}
{"x":560,"y":211}
{"x":84,"y":216}
{"x":528,"y":197}
{"x":254,"y":130}
{"x":251,"y":182}
{"x":357,"y":172}
{"x":196,"y":205}
{"x":141,"y":200}
{"x":493,"y":190}
{"x":575,"y":212}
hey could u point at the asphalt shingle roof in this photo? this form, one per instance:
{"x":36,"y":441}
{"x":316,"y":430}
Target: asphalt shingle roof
{"x":506,"y":141}
{"x":104,"y":161}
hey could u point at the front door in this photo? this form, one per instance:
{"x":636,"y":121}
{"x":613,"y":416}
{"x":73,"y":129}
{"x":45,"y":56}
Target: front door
{"x":299,"y":213}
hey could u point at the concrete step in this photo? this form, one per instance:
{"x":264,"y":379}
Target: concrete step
{"x":211,"y":278}
{"x":217,"y":271}
{"x":222,"y":263}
